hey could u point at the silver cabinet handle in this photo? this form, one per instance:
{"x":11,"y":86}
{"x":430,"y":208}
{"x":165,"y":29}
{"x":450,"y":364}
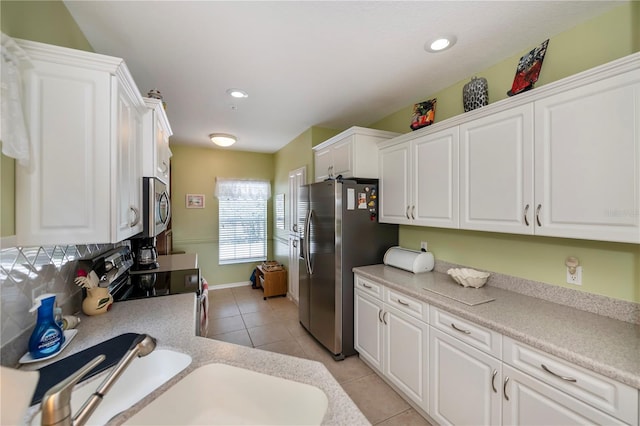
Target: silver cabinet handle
{"x":407,"y":212}
{"x":136,"y":216}
{"x":384,"y":316}
{"x":402,"y":302}
{"x":165,"y":167}
{"x":379,"y":317}
{"x":294,"y":243}
{"x":413,"y":211}
{"x":493,"y":381}
{"x":538,"y":214}
{"x":504,"y":388}
{"x":365,"y":285}
{"x":526,"y":213}
{"x":566,"y":378}
{"x":295,"y":227}
{"x":460,"y":329}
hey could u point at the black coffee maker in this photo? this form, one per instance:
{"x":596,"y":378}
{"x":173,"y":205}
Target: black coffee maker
{"x":144,"y":253}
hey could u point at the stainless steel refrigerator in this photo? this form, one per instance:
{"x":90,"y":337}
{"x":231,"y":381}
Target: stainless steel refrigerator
{"x":341,"y":231}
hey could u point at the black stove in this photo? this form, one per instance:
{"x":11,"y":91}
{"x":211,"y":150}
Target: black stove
{"x":114,"y":270}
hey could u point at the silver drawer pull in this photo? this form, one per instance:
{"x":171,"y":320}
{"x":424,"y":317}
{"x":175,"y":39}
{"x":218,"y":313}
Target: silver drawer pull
{"x":460,"y":329}
{"x":526,"y":213}
{"x":366,"y":285}
{"x":504,"y":388}
{"x":402,"y":302}
{"x":493,"y":381}
{"x":568,"y":379}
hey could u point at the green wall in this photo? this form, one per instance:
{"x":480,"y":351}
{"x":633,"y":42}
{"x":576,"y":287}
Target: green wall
{"x":48,"y":22}
{"x":609,"y":269}
{"x":194,"y":171}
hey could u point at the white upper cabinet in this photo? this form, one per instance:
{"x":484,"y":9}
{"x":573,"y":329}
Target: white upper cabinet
{"x":587,"y":160}
{"x":419,"y":180}
{"x":496,"y":171}
{"x":562,"y":160}
{"x":157,"y":130}
{"x":83,"y":183}
{"x":352,"y":153}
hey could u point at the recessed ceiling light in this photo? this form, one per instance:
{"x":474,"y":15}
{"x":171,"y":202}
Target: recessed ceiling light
{"x":222,"y":139}
{"x":237,"y":93}
{"x":439,"y":44}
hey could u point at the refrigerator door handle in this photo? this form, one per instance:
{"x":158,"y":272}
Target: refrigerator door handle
{"x":307,"y":246}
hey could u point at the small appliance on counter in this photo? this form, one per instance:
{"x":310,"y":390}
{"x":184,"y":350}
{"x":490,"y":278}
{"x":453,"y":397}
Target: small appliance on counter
{"x":409,"y":260}
{"x":144,"y":253}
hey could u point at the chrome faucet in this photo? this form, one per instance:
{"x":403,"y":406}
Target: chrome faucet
{"x":56,"y":403}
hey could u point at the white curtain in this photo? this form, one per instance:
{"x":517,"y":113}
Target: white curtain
{"x":237,"y":189}
{"x":13,"y":129}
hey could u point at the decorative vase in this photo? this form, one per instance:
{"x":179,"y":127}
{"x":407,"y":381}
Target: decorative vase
{"x":98,"y":301}
{"x":475,"y":94}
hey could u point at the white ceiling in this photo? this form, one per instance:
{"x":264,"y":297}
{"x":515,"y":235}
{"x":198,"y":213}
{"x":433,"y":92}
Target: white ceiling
{"x":305,"y":63}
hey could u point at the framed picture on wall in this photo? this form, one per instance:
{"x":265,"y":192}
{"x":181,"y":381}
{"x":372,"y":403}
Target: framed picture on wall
{"x":195,"y":201}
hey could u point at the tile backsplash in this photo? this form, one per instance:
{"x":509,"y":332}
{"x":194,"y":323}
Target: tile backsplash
{"x":27,"y":272}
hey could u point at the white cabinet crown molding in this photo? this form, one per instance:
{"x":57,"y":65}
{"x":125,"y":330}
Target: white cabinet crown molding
{"x":364,"y":131}
{"x":67,"y":56}
{"x":157,"y":106}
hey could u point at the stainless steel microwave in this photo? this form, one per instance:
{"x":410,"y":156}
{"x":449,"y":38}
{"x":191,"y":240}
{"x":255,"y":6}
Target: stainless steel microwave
{"x":156,"y":207}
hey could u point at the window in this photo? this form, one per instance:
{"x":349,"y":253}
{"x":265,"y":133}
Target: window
{"x":242,"y":213}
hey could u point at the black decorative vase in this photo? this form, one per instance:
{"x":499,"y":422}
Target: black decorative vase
{"x":475,"y":94}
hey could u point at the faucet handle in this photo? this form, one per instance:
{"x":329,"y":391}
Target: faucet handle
{"x":56,"y":402}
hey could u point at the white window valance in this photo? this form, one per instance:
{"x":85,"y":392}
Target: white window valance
{"x":239,"y":189}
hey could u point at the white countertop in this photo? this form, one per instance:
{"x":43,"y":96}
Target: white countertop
{"x":171,"y":320}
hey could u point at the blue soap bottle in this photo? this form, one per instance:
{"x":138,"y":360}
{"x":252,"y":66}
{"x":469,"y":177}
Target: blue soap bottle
{"x":47,"y":337}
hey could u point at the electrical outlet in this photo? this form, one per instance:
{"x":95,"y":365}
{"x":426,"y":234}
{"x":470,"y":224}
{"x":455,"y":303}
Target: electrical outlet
{"x":575,"y":278}
{"x":423,"y":245}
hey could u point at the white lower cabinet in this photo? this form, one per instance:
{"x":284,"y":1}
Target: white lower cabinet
{"x":393,"y":342}
{"x":406,"y":349}
{"x":368,"y":328}
{"x":464,"y":383}
{"x":462,"y":373}
{"x":528,"y":401}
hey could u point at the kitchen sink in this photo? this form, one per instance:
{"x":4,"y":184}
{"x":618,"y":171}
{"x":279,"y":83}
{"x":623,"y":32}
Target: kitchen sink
{"x":223,"y":394}
{"x":142,"y":377}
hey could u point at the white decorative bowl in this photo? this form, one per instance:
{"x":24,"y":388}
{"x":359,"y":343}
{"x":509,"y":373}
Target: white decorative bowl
{"x":469,"y":277}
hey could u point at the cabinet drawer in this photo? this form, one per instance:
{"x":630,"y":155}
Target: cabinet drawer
{"x":407,"y":304}
{"x":477,"y":336}
{"x":612,"y":397}
{"x":369,"y":287}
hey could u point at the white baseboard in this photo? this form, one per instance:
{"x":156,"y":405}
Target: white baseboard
{"x":230,"y":285}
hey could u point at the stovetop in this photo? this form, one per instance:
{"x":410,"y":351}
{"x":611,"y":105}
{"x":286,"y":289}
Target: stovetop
{"x":114,"y":268}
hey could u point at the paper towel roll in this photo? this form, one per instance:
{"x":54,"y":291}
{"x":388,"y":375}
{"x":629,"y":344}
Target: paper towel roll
{"x":409,"y":260}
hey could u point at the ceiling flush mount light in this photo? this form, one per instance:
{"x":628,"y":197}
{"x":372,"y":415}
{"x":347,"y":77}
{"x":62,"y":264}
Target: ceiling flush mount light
{"x":222,"y":139}
{"x":439,"y":44}
{"x":237,"y":93}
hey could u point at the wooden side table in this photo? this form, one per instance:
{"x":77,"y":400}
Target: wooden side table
{"x":273,"y":283}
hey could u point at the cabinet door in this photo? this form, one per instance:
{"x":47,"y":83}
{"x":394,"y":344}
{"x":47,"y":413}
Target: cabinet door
{"x":464,"y":383}
{"x":528,"y":401}
{"x":62,"y":197}
{"x":394,"y":184}
{"x":496,"y":172}
{"x":322,"y":164}
{"x":342,"y":156}
{"x":127,"y":192}
{"x":406,"y":351}
{"x":588,"y":161}
{"x":368,"y":328}
{"x":163,"y":153}
{"x":435,"y":179}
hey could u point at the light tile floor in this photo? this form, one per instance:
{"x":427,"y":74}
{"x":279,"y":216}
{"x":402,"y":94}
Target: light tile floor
{"x":240,"y":315}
